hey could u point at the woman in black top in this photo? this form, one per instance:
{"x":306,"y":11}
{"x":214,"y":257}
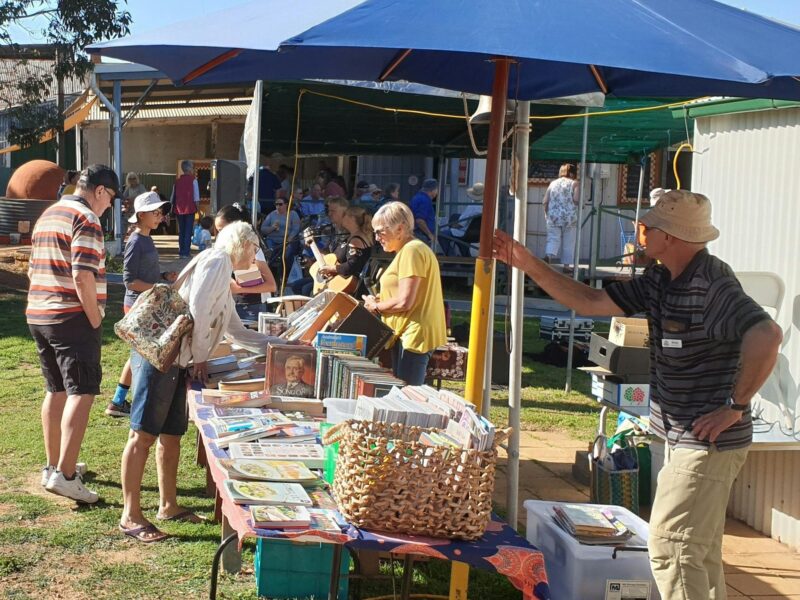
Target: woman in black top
{"x":354,"y":252}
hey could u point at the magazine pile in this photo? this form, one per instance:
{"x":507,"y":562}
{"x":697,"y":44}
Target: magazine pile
{"x":591,"y":524}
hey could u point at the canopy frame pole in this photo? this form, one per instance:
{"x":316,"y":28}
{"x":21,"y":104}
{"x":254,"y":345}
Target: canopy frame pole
{"x":484,"y":273}
{"x":523,"y":126}
{"x":439,"y":197}
{"x":576,"y":267}
{"x":259,"y":99}
{"x":639,"y":195}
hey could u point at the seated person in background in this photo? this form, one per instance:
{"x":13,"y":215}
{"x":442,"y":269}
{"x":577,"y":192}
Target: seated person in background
{"x":330,"y":184}
{"x":351,"y":253}
{"x":274,"y":229}
{"x":458,"y":228}
{"x":422,"y":209}
{"x":313,"y":205}
{"x":327,"y":233}
{"x":201,"y":237}
{"x":390,"y":194}
{"x":294,"y":368}
{"x":361,"y":193}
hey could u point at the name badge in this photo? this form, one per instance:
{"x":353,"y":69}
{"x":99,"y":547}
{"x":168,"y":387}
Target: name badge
{"x":671,"y":343}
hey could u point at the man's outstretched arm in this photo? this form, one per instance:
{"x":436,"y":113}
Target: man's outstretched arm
{"x":572,"y":294}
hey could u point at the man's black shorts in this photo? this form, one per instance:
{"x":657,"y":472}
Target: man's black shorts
{"x":69,"y":353}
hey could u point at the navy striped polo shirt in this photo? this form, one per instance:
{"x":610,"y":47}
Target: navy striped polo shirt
{"x":696,"y":327}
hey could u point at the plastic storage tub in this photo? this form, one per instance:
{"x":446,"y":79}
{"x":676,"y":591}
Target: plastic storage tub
{"x":339,"y":409}
{"x":580,"y":572}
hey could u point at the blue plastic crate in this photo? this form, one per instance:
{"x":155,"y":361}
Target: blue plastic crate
{"x":291,"y":570}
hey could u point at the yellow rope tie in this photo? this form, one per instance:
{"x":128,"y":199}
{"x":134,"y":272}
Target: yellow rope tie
{"x":423,"y":113}
{"x":675,"y":162}
{"x":290,"y":200}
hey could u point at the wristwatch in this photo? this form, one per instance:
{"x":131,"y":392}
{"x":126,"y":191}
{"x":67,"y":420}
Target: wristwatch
{"x":740,"y":407}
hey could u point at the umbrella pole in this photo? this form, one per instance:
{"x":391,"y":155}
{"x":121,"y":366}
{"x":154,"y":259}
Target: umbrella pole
{"x":636,"y":219}
{"x":517,"y":306}
{"x":484,"y":273}
{"x":576,"y":267}
{"x":259,"y":99}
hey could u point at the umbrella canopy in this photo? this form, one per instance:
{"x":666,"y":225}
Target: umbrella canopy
{"x":637,"y":48}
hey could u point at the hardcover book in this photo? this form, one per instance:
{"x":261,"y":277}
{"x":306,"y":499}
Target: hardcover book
{"x":311,"y":455}
{"x":280,"y":517}
{"x":341,"y":341}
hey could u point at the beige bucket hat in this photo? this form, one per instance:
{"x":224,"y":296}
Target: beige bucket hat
{"x":684,"y":215}
{"x":476,"y":192}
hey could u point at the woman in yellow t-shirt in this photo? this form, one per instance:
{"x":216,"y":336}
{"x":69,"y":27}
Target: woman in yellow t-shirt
{"x":410,"y":301}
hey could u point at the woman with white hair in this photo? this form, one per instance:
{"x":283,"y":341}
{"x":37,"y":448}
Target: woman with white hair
{"x":158,"y":408}
{"x":133,"y":188}
{"x":184,"y":200}
{"x":410,"y":301}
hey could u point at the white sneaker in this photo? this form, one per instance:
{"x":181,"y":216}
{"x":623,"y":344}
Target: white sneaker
{"x":80,"y":469}
{"x":74,"y":489}
{"x":46,"y":473}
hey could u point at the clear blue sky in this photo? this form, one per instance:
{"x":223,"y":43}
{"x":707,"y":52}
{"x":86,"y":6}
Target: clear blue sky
{"x":152,"y":14}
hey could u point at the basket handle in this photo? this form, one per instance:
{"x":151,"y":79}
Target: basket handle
{"x":335,"y":433}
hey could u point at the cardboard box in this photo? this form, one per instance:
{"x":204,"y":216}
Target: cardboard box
{"x":621,"y":360}
{"x":633,"y":398}
{"x":629,"y":332}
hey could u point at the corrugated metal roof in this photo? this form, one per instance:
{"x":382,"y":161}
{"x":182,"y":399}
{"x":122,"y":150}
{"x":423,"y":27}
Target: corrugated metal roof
{"x":13,"y":71}
{"x":185,"y":110}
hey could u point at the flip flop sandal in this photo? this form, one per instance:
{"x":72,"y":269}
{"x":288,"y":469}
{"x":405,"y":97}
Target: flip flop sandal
{"x":185,"y":515}
{"x":141,"y":534}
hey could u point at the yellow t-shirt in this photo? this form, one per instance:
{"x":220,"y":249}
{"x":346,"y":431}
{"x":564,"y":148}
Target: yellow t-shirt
{"x":421,"y":329}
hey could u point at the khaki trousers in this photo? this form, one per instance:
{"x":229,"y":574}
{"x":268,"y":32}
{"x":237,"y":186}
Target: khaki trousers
{"x":688,"y":520}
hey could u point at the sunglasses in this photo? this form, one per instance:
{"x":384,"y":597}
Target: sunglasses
{"x":280,"y":204}
{"x":381,"y":231}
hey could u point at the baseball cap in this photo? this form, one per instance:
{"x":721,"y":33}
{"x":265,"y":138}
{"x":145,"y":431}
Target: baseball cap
{"x":147,"y":202}
{"x":429,"y":185}
{"x":100,"y":175}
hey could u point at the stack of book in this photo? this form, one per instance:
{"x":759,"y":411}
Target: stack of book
{"x":342,"y":376}
{"x":590,"y":524}
{"x":426,"y":407}
{"x":248,"y":277}
{"x":233,"y":399}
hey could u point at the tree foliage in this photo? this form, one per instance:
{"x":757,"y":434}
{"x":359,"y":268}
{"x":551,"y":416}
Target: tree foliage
{"x":64,"y":27}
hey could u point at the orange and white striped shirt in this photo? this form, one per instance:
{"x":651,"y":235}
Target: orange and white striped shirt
{"x":67,"y":238}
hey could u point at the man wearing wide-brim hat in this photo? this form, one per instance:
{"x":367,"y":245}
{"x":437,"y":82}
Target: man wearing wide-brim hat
{"x":450,"y":237}
{"x":712,"y":348}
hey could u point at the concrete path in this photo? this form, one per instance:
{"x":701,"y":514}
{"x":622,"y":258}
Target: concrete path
{"x":756,"y":567}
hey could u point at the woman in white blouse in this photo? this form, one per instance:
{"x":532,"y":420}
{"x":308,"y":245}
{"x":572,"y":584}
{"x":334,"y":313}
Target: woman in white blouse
{"x":158,"y":408}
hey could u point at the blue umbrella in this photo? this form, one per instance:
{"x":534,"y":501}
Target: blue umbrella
{"x":679,"y":48}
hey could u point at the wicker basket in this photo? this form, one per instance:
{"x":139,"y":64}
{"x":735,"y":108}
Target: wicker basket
{"x":387,"y":481}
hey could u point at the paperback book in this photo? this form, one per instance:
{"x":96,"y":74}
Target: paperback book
{"x":590,"y":524}
{"x":230,"y":399}
{"x":267,"y":492}
{"x":311,"y":455}
{"x":271,"y":470}
{"x":248,"y":435}
{"x":323,"y":519}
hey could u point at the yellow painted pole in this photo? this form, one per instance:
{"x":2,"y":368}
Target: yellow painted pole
{"x":484,"y":272}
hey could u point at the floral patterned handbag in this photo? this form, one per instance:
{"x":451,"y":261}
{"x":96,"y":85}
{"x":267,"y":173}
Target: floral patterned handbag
{"x":157,"y":323}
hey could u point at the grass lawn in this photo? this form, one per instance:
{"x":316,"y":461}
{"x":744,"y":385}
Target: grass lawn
{"x":51,"y":548}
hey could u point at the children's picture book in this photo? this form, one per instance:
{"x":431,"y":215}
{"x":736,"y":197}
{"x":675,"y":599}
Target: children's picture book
{"x":341,"y":341}
{"x":322,"y":499}
{"x":267,"y":492}
{"x":235,"y":412}
{"x":248,"y":435}
{"x":227,"y":399}
{"x":311,"y":455}
{"x":323,"y":519}
{"x":271,"y":470}
{"x":280,"y":517}
{"x":291,"y":370}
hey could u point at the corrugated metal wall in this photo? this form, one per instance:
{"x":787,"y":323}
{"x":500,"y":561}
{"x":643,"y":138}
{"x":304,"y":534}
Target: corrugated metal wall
{"x":747,"y":164}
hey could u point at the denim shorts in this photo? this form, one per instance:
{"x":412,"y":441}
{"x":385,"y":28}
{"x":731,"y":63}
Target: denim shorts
{"x":69,"y":354}
{"x":159,"y":399}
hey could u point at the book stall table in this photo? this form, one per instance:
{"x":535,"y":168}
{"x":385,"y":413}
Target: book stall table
{"x":500,"y":549}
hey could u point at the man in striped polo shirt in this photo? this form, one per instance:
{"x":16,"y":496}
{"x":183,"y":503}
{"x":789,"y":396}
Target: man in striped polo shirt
{"x":712,"y":347}
{"x":66,"y":303}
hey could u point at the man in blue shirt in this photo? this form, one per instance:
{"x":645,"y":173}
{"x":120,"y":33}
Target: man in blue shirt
{"x":422,"y":209}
